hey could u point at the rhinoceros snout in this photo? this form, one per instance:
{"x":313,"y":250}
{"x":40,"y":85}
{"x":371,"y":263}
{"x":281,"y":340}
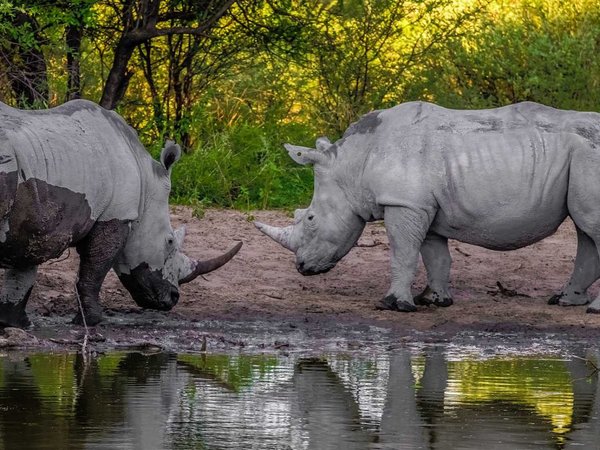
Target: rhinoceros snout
{"x":174,"y":296}
{"x":164,"y":303}
{"x":305,"y":270}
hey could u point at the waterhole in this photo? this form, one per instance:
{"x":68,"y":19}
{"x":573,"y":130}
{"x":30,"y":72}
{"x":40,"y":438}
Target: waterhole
{"x":422,"y":397}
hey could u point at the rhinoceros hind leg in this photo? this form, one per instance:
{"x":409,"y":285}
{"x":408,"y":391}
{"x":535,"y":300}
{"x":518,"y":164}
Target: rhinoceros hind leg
{"x":16,"y":290}
{"x":437,"y":260}
{"x":97,"y":252}
{"x":585,"y":272}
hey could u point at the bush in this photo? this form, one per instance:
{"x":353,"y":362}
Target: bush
{"x":244,"y":167}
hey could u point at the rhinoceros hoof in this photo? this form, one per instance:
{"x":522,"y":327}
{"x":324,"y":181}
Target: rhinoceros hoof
{"x":444,"y":302}
{"x":555,"y":299}
{"x":574,"y":300}
{"x":591,"y":310}
{"x":429,"y":297}
{"x":424,"y":298}
{"x":387,"y":303}
{"x":12,"y":315}
{"x":405,"y":307}
{"x":390,"y":302}
{"x":569,"y":299}
{"x":91,"y":319}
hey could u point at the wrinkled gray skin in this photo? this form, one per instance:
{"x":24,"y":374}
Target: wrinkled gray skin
{"x":500,"y":178}
{"x":78,"y":176}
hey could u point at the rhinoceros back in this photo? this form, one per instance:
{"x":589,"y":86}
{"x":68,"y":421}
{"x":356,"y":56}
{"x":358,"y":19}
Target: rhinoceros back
{"x":62,"y":170}
{"x":80,"y":147}
{"x":498,"y":178}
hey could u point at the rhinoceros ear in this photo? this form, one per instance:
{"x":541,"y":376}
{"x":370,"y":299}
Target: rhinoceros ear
{"x":323,"y":144}
{"x":305,"y":155}
{"x":170,"y":154}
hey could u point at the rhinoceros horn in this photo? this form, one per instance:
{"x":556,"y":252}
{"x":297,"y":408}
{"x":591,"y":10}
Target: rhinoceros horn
{"x":282,"y":236}
{"x":200,"y":267}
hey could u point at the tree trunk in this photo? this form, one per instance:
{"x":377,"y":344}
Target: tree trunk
{"x":140,"y":19}
{"x":28,"y":74}
{"x":74,"y":35}
{"x":119,"y":76}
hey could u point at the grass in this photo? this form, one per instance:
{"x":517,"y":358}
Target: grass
{"x":243,"y":167}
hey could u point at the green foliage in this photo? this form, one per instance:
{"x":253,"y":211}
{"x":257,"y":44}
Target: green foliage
{"x":540,"y":51}
{"x":233,"y":372}
{"x":281,"y":71}
{"x":244,"y":167}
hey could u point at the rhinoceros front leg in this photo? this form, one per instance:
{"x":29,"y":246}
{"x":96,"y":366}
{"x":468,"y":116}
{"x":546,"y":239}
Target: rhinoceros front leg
{"x":585,"y":272}
{"x":406,"y":229}
{"x":437,"y":260}
{"x":97,"y":252}
{"x":15,"y":293}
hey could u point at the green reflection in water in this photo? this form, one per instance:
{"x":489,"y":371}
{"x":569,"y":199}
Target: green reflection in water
{"x":54,"y":377}
{"x":544,"y":385}
{"x":109,"y":364}
{"x":262,"y":401}
{"x":233,"y":372}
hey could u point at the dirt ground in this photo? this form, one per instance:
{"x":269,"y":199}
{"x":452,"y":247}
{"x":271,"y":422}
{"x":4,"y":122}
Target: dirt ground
{"x":260,"y":293}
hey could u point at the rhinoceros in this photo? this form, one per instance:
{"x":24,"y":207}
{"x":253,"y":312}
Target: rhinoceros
{"x":498,"y":178}
{"x":78,"y":176}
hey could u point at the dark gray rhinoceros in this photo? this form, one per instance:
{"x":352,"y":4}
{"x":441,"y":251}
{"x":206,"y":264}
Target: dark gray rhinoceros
{"x":77,"y":175}
{"x":499,"y":178}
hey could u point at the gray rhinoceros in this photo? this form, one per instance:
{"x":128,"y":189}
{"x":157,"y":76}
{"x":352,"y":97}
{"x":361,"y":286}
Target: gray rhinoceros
{"x":77,"y":175}
{"x":499,"y":178}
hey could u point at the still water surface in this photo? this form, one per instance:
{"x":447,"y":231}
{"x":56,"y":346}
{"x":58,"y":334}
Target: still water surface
{"x":428,"y":397}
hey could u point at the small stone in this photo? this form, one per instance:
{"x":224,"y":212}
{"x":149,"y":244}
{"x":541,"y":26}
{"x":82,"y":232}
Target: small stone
{"x":15,"y":337}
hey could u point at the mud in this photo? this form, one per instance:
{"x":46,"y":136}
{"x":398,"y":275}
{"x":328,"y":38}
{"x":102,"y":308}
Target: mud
{"x":259,"y":301}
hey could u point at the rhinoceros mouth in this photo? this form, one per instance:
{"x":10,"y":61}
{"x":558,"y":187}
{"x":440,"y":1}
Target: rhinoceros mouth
{"x":149,"y":289}
{"x":308,"y":271}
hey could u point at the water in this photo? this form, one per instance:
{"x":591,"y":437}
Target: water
{"x":426,"y":397}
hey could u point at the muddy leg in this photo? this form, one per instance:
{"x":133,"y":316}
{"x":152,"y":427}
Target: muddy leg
{"x":437,"y":260}
{"x":406,"y":230}
{"x":585,"y":272}
{"x":97,"y":252}
{"x":15,"y":293}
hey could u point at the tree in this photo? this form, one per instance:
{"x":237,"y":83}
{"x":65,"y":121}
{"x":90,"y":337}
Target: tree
{"x":356,"y":55}
{"x":144,"y":20}
{"x":34,"y":31}
{"x":542,"y":51}
{"x":22,"y":57}
{"x":179,"y":68}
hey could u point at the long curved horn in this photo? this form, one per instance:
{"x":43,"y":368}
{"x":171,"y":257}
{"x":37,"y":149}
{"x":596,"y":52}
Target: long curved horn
{"x":280,"y":235}
{"x":209,"y":265}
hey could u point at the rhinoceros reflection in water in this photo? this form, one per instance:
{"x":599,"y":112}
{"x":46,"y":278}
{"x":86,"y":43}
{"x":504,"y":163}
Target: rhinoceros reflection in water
{"x":166,"y":401}
{"x":78,"y":176}
{"x":499,"y":178}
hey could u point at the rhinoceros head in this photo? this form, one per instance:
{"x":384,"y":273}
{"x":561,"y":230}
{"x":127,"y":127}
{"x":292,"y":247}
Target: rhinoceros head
{"x":152,"y":265}
{"x":325,"y":231}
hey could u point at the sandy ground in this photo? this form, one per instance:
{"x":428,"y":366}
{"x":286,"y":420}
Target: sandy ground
{"x":261,"y":292}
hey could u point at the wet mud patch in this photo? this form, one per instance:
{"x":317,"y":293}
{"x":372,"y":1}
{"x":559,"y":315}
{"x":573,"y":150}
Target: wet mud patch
{"x":260,"y":299}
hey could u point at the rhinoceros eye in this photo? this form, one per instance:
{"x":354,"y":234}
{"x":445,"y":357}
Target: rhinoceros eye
{"x":311,"y":217}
